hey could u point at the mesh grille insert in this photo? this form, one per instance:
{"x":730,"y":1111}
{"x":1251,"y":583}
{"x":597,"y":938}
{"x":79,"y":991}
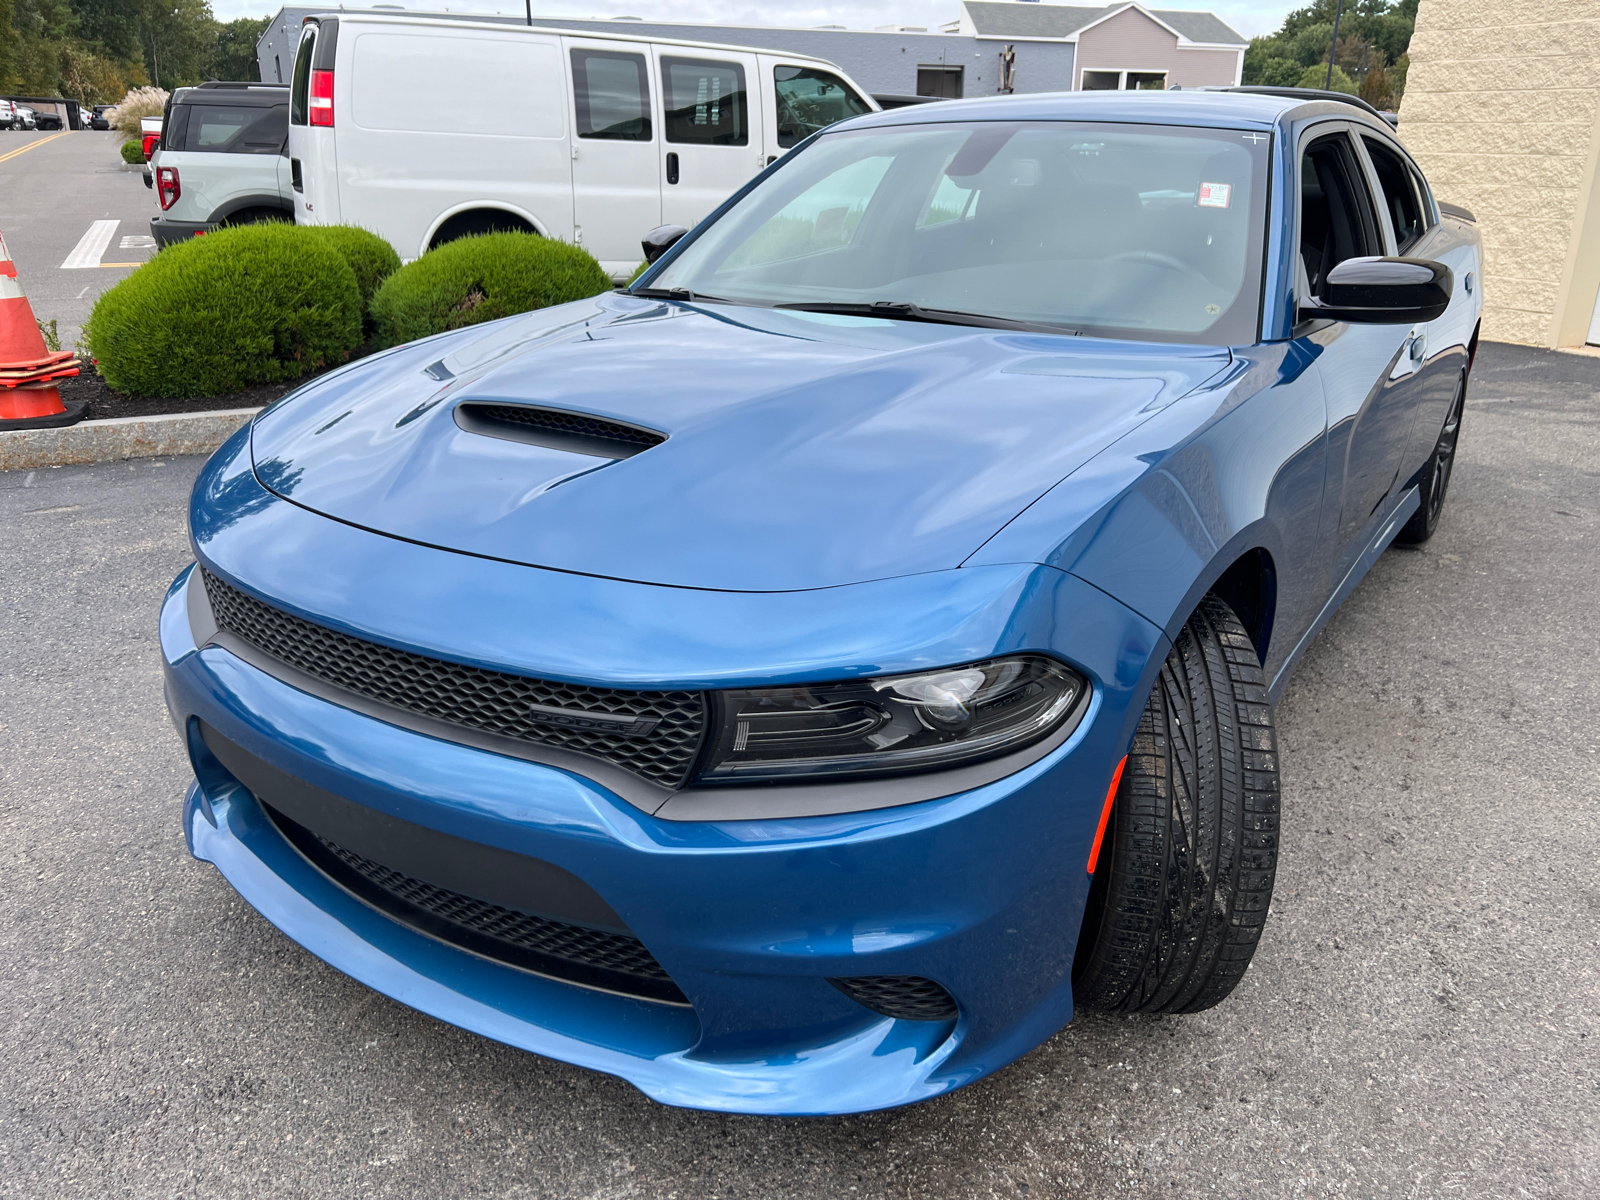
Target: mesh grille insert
{"x":903,"y":997}
{"x":555,"y":420}
{"x":653,"y":734}
{"x":597,"y":957}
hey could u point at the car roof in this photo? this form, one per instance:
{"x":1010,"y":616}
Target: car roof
{"x":1228,"y":110}
{"x":261,"y":95}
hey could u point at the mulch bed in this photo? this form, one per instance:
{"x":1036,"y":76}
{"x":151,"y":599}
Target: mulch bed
{"x":105,"y":403}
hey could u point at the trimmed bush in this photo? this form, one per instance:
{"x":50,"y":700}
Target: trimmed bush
{"x":132,"y":152}
{"x":213,"y":315}
{"x":370,"y":257}
{"x":477,"y":279}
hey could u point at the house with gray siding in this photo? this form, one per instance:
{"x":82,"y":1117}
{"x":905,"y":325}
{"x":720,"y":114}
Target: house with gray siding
{"x":1043,"y":43}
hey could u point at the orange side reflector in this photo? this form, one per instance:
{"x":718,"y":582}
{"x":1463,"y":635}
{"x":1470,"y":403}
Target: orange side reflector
{"x":1105,"y":814}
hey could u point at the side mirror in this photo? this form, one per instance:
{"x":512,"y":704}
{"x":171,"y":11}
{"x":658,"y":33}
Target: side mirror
{"x":661,"y":239}
{"x":1382,"y":291}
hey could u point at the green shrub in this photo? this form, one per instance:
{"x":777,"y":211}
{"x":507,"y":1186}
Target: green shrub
{"x":212,"y":315}
{"x":132,"y":152}
{"x":370,"y":257}
{"x":482,"y":278}
{"x":638,"y":271}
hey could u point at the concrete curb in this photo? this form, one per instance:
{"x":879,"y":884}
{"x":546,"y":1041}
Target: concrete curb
{"x":120,"y":437}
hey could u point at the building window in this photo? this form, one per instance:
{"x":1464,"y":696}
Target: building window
{"x":1123,"y":81}
{"x":941,"y":81}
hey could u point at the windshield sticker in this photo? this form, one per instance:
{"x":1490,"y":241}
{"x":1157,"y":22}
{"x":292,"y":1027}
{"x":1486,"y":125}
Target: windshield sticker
{"x":1215,"y":195}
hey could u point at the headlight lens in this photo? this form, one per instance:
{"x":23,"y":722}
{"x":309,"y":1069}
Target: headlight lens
{"x":894,"y":725}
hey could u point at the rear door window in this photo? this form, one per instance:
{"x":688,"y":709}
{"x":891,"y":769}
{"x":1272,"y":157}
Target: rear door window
{"x":612,"y":95}
{"x":1399,"y":194}
{"x":231,"y":129}
{"x":809,"y":100}
{"x":706,"y":102}
{"x":301,"y":86}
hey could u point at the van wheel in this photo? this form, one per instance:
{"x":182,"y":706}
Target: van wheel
{"x":1184,"y":877}
{"x":480,"y":220}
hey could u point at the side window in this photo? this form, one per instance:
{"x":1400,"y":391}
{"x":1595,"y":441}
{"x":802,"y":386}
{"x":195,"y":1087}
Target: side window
{"x":225,"y":129}
{"x":1399,"y":194}
{"x":809,"y":100}
{"x":706,"y":102}
{"x":1337,"y":220}
{"x":301,"y":86}
{"x":612,"y":92}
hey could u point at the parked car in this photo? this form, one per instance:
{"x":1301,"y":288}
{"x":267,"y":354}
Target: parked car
{"x":796,"y":682}
{"x":8,"y":115}
{"x":101,"y":116}
{"x":615,"y":135}
{"x":221,"y":159}
{"x":24,"y":118}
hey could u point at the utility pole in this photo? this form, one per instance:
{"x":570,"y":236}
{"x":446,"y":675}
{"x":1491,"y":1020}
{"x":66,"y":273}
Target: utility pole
{"x":529,"y":5}
{"x":1334,"y":46}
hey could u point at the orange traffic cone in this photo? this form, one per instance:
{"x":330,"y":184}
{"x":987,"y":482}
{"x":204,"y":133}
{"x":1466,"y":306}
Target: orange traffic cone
{"x":29,"y":368}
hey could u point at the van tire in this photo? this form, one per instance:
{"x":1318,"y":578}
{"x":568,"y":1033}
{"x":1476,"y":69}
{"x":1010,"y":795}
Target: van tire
{"x":479,"y":220}
{"x":1184,"y":877}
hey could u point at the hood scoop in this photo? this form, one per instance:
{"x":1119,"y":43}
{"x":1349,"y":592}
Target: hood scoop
{"x":556,"y":429}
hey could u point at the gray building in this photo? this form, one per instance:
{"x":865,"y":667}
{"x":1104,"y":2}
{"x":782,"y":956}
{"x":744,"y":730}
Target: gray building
{"x":964,"y":58}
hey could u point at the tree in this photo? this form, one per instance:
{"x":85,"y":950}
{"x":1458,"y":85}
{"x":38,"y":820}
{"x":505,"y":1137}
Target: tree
{"x":234,"y":53}
{"x":1317,"y":77}
{"x":1374,"y":36}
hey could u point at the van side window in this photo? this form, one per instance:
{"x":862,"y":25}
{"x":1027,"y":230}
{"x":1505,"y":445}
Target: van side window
{"x":1337,"y":220}
{"x":809,"y":100}
{"x":612,"y":93}
{"x":301,"y":86}
{"x":1399,"y":194}
{"x":706,"y":102}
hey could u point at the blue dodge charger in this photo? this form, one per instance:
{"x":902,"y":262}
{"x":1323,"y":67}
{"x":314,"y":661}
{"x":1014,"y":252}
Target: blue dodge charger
{"x":795,"y":682}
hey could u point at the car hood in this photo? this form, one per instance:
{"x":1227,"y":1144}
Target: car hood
{"x":801,"y":450}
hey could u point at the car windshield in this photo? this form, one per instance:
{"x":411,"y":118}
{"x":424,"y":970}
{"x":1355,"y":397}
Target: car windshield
{"x":1142,"y":231}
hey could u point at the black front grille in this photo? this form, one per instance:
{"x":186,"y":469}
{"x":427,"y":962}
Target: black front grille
{"x":577,"y":953}
{"x":903,"y":997}
{"x":659,"y":743}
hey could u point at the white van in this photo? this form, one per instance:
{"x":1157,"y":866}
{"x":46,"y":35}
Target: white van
{"x":399,"y":124}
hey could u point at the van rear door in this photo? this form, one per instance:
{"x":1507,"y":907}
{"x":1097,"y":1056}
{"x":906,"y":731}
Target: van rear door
{"x":616,"y":158}
{"x":711,"y":141}
{"x":801,"y":98}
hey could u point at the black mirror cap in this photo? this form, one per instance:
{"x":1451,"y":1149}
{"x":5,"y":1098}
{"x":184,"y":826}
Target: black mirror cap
{"x":1383,"y":291}
{"x":661,"y":239}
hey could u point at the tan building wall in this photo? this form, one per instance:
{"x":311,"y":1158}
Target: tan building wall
{"x":1131,"y":41}
{"x":1502,"y":111}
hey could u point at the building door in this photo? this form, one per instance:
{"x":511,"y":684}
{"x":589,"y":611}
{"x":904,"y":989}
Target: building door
{"x":711,"y":131}
{"x":947,"y":83}
{"x":616,"y":169}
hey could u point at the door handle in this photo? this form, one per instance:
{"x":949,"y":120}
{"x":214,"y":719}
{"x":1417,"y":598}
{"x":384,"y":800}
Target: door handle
{"x":1419,"y":345}
{"x":672,"y":168}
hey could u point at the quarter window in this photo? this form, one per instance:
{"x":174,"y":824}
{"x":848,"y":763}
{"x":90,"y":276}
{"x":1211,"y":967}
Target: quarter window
{"x":1399,"y":194}
{"x":706,"y":102}
{"x":220,"y":129}
{"x":612,"y":94}
{"x":809,"y":100}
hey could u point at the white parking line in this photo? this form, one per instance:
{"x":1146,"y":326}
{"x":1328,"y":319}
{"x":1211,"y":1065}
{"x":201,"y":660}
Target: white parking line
{"x":137,"y":241}
{"x":91,"y":246}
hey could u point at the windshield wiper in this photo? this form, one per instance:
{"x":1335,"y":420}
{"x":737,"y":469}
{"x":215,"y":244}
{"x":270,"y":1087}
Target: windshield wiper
{"x":679,"y":293}
{"x":905,"y":310}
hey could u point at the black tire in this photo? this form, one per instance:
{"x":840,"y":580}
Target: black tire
{"x":1436,"y":474}
{"x":1185,"y":873}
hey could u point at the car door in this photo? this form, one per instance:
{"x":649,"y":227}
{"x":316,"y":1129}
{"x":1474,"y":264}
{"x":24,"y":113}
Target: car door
{"x":802,"y":98}
{"x":712,"y":117}
{"x":1367,"y":373}
{"x":616,"y":164}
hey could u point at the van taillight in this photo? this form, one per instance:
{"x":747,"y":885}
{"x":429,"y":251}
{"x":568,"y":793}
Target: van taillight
{"x":167,"y":186}
{"x":321,"y":106}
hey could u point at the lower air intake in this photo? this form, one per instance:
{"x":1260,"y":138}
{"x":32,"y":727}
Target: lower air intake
{"x":579,"y":954}
{"x":903,"y":997}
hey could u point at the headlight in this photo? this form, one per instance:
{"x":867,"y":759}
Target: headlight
{"x":889,"y":726}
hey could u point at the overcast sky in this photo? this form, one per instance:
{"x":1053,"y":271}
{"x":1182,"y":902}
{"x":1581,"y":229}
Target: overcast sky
{"x":1249,"y":17}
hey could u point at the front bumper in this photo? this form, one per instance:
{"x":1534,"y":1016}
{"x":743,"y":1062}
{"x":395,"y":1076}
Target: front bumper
{"x":981,"y":891}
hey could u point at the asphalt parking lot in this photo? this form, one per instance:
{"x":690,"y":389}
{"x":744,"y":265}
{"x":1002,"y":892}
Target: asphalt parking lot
{"x":1421,"y":1019}
{"x":74,"y":220}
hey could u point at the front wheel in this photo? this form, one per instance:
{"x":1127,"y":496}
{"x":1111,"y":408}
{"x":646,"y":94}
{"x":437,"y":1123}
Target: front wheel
{"x":1436,"y":474}
{"x":1184,"y":875}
